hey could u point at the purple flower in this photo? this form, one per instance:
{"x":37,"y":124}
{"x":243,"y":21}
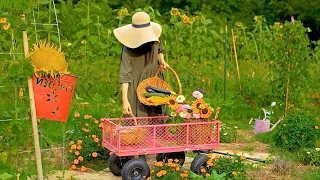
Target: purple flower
{"x":187,"y":106}
{"x":197,"y":94}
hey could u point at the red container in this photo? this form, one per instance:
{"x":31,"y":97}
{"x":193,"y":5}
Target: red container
{"x":53,"y":96}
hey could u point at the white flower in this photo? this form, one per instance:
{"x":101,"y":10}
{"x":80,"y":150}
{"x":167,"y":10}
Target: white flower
{"x":69,"y":44}
{"x":308,"y":152}
{"x":317,"y":149}
{"x":181,"y":99}
{"x":225,"y":134}
{"x":182,"y":114}
{"x":235,"y":127}
{"x":173,"y":114}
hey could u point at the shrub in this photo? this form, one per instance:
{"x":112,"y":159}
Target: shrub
{"x":310,"y":156}
{"x":170,"y":170}
{"x":233,"y":166}
{"x":299,"y":129}
{"x":85,"y":142}
{"x":227,"y":134}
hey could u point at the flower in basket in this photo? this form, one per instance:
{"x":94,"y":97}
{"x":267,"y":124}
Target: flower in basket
{"x":197,"y":109}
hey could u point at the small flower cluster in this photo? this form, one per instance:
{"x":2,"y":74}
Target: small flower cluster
{"x":233,"y":166}
{"x":87,"y":146}
{"x":199,"y":109}
{"x":185,"y":19}
{"x":122,"y":12}
{"x":170,"y":169}
{"x":4,"y":23}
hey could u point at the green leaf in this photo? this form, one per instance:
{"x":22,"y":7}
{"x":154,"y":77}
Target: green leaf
{"x":81,"y":33}
{"x":6,"y":176}
{"x":195,"y":176}
{"x":97,"y":97}
{"x":86,"y":21}
{"x":93,"y":39}
{"x":4,"y":157}
{"x":48,"y":26}
{"x":14,"y":69}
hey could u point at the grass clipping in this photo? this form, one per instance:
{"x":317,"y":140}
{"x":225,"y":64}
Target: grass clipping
{"x":48,"y":60}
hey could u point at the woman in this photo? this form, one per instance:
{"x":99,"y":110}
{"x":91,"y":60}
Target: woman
{"x":142,"y":55}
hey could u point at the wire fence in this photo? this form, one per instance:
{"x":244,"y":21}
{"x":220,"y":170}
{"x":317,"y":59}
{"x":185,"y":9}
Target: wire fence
{"x":43,"y":126}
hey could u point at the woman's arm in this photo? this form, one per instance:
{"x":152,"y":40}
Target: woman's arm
{"x":162,"y":62}
{"x":126,"y":107}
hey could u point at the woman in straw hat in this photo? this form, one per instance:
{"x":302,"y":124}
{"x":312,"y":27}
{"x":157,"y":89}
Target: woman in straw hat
{"x":142,"y":55}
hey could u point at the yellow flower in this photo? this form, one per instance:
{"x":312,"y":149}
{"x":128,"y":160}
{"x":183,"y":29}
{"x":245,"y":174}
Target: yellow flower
{"x":3,"y":20}
{"x":206,"y":111}
{"x":197,"y":106}
{"x":217,"y":113}
{"x":186,"y":20}
{"x":243,"y":157}
{"x":87,"y":116}
{"x":6,"y":27}
{"x":76,"y":115}
{"x":174,"y":11}
{"x":172,"y":101}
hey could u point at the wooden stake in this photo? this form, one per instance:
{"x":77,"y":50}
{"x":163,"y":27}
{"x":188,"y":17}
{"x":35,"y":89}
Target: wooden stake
{"x":235,"y":54}
{"x":33,"y":113}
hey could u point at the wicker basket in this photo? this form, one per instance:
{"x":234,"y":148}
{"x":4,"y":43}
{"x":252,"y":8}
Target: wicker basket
{"x":132,"y":136}
{"x":158,"y":83}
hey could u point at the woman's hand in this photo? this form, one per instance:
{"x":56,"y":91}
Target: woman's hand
{"x":126,"y":107}
{"x":165,"y":66}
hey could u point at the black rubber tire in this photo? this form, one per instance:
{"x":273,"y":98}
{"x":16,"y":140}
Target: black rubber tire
{"x":116,"y":163}
{"x":199,"y":162}
{"x":135,"y":169}
{"x":181,"y":156}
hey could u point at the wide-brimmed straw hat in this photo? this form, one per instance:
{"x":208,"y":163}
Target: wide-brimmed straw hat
{"x":139,"y":32}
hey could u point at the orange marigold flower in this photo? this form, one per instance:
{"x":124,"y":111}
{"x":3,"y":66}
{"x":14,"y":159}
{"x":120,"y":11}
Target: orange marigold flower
{"x":176,"y":160}
{"x":101,"y":125}
{"x":203,"y":170}
{"x":209,"y":156}
{"x":234,"y":173}
{"x":110,"y":153}
{"x":207,"y":174}
{"x":86,"y":124}
{"x":236,"y":161}
{"x":159,"y":164}
{"x":178,"y":168}
{"x":152,"y":171}
{"x":149,"y":178}
{"x":70,"y":150}
{"x":87,"y":116}
{"x":217,"y":156}
{"x":316,"y":127}
{"x":85,"y":130}
{"x":235,"y":152}
{"x":74,"y":147}
{"x":185,"y":171}
{"x":159,"y":174}
{"x":184,"y":175}
{"x":94,"y":136}
{"x":96,"y":121}
{"x":71,"y":142}
{"x":76,"y":115}
{"x":96,"y":139}
{"x":164,"y":172}
{"x":94,"y":154}
{"x":83,"y":168}
{"x":73,"y":167}
{"x":80,"y":158}
{"x":76,"y":161}
{"x":243,"y":157}
{"x":170,"y":160}
{"x":79,"y":147}
{"x":77,"y":153}
{"x":79,"y":142}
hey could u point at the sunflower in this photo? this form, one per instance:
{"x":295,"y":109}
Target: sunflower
{"x":206,"y":111}
{"x":48,"y":59}
{"x":197,"y":106}
{"x":6,"y":27}
{"x":172,"y":101}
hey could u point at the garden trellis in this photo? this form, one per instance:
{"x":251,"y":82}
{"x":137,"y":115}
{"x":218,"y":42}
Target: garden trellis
{"x":14,"y":53}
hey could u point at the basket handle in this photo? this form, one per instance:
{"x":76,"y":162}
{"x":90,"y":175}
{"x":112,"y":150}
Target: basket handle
{"x":134,"y":118}
{"x":176,"y":75}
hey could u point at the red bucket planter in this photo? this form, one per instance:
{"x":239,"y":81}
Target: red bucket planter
{"x":53,"y":96}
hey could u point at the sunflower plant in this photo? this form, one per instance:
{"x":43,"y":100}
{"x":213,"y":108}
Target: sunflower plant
{"x":182,"y":109}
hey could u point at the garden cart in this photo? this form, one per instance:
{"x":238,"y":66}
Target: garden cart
{"x":130,"y":137}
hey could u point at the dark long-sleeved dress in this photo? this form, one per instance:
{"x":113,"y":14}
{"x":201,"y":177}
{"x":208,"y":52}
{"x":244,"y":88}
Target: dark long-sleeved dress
{"x":137,"y":65}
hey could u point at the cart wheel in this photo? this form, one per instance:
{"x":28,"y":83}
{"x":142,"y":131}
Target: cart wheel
{"x":181,"y":156}
{"x":199,"y":162}
{"x":116,"y":163}
{"x":135,"y":169}
{"x":143,"y":157}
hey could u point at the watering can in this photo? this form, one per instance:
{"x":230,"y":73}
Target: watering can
{"x":263,"y":125}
